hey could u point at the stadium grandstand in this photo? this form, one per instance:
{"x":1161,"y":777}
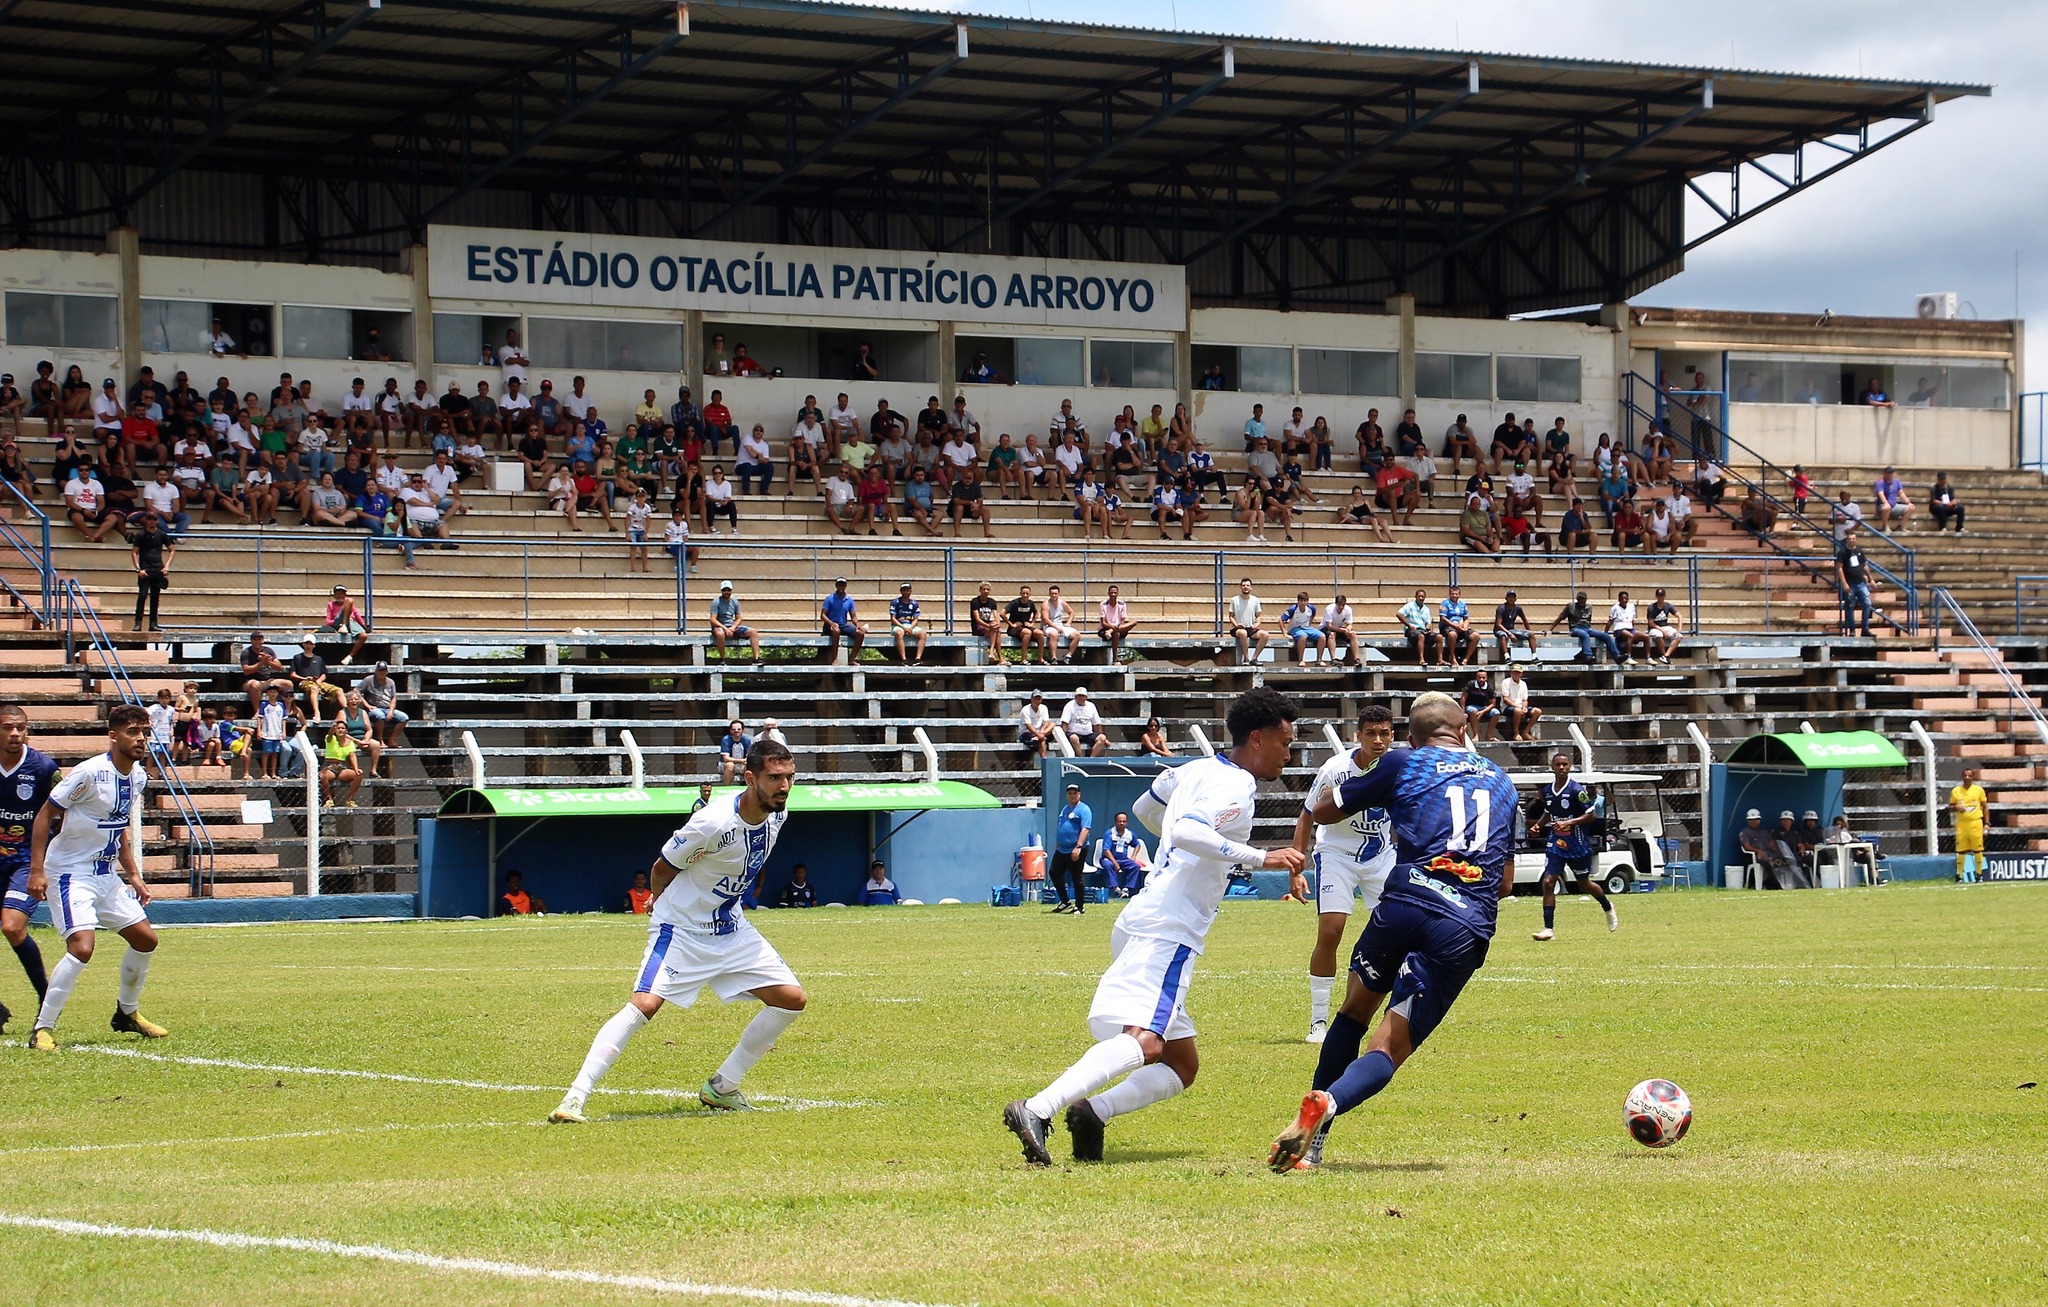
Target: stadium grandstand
{"x":1234,"y":303}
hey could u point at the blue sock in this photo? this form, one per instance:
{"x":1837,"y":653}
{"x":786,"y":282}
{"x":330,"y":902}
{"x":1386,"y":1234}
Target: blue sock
{"x":1362,"y":1079}
{"x":1340,"y":1049}
{"x":1549,"y":915}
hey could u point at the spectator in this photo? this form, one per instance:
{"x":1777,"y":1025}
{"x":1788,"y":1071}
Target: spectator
{"x":1255,"y":428}
{"x":1516,"y":529}
{"x":966,"y":504}
{"x":1508,"y":439}
{"x":1069,"y":855}
{"x":1459,"y":440}
{"x":906,"y":626}
{"x":754,"y":460}
{"x":879,"y":891}
{"x":1942,"y":502}
{"x":675,"y":539}
{"x":1020,"y":620}
{"x":344,"y":618}
{"x":1152,"y":740}
{"x":1874,"y":395}
{"x":85,"y":504}
{"x":515,"y":901}
{"x":639,"y":898}
{"x":1032,"y":467}
{"x":1889,"y":503}
{"x":1679,"y":505}
{"x":151,"y":551}
{"x":339,"y":766}
{"x":638,"y":513}
{"x":798,"y":893}
{"x":1120,"y":853}
{"x":1060,"y":624}
{"x":1248,"y":506}
{"x":1576,"y":530}
{"x":984,"y":620}
{"x":168,"y":502}
{"x":1359,"y":511}
{"x":866,"y":367}
{"x":842,"y":508}
{"x":1665,"y":628}
{"x":726,"y":623}
{"x":261,"y":670}
{"x":327,"y":506}
{"x":1577,"y":617}
{"x":1852,"y":579}
{"x":1481,"y":703}
{"x":1511,"y":627}
{"x":873,"y":505}
{"x":1398,"y":489}
{"x":1476,"y":529}
{"x":703,"y":797}
{"x":1082,"y":722}
{"x":1303,"y":625}
{"x":1809,"y":836}
{"x":1003,"y":468}
{"x":1454,"y":625}
{"x":308,"y":672}
{"x":733,"y":747}
{"x":1339,"y":640}
{"x":1802,"y":488}
{"x":1709,"y":482}
{"x":1034,"y":724}
{"x":839,"y":622}
{"x":981,"y":372}
{"x":1516,"y":714}
{"x":271,"y":715}
{"x":380,"y":695}
{"x":1115,"y":625}
{"x":1621,"y":628}
{"x":1630,"y":531}
{"x":1245,"y":628}
{"x":355,"y":711}
{"x":771,"y":729}
{"x":917,"y":502}
{"x":718,"y":502}
{"x":1418,"y":628}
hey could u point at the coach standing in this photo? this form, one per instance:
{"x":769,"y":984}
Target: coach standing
{"x":1069,"y":857}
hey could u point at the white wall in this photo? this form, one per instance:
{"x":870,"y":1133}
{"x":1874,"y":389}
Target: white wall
{"x":1874,"y":437}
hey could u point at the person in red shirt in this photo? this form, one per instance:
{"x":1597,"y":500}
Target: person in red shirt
{"x":1398,"y":491}
{"x":1514,"y":527}
{"x":718,"y":423}
{"x":875,"y":503}
{"x":639,"y":899}
{"x":1629,"y":532}
{"x":515,"y":901}
{"x":138,"y":437}
{"x":743,"y":363}
{"x":589,"y":495}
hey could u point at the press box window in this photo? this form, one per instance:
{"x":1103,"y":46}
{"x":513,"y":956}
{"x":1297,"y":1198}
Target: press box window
{"x":325,"y":333}
{"x":1268,"y":369}
{"x":1347,"y":372}
{"x":1049,"y":361}
{"x":459,"y":338}
{"x":62,"y":321}
{"x":1538,"y":380}
{"x":1454,"y":376}
{"x":1132,"y":364}
{"x":566,"y":344}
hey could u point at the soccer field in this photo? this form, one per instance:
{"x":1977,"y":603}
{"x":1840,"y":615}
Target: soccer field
{"x":1854,"y":1060}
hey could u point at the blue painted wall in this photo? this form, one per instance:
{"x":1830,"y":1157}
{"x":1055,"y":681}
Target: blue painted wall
{"x":957,"y":855}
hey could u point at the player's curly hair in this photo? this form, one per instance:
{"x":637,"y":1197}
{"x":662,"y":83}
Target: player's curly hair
{"x":1259,"y":709}
{"x":125,"y":715}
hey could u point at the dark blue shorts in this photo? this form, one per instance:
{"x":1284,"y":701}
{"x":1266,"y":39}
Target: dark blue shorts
{"x":14,"y":887}
{"x":1556,"y":864}
{"x":1419,"y":959}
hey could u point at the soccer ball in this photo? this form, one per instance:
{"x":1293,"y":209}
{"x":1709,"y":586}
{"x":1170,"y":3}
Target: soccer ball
{"x":1657,"y":1113}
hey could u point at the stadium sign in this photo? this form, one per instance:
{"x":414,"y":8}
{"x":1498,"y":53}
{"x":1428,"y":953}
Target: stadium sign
{"x":2015,"y":866}
{"x":480,"y":263}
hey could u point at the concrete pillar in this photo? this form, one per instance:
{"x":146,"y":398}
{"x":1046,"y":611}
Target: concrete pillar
{"x":693,"y":351}
{"x":943,"y":373}
{"x":412,"y":261}
{"x":1184,"y":358}
{"x":126,"y":242}
{"x":1615,"y":317}
{"x":1404,"y":362}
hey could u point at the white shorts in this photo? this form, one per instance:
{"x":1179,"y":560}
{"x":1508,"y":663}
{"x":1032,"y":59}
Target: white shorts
{"x":1339,"y":880}
{"x":1663,"y":632}
{"x":679,"y":963}
{"x":83,"y":901}
{"x":1146,"y":986}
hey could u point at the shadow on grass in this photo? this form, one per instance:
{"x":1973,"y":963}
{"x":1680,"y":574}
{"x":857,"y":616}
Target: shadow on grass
{"x":1113,"y":1157}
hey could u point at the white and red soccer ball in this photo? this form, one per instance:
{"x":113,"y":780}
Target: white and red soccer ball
{"x":1657,"y":1113}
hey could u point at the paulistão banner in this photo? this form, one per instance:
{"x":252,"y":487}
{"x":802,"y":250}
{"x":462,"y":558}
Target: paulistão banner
{"x":724,"y":277}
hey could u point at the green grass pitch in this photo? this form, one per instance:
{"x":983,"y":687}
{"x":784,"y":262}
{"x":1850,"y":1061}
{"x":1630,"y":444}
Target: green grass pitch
{"x":1854,"y":1060}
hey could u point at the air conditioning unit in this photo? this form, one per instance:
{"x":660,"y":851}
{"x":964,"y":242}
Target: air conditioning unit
{"x":1940,"y":304}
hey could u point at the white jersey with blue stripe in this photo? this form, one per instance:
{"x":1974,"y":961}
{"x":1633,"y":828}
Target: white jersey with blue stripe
{"x":1363,"y":842}
{"x":1184,"y":891}
{"x":96,"y":799}
{"x":716,"y":856}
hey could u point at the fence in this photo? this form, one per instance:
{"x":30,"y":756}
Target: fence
{"x":2029,"y":593}
{"x":2033,"y":436}
{"x":32,"y":547}
{"x":85,"y":636}
{"x":2019,"y":700}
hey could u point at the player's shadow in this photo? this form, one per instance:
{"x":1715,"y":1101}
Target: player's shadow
{"x":1367,"y":1167}
{"x":1120,"y":1155}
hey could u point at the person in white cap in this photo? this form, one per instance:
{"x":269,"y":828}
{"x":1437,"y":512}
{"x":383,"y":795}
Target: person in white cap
{"x":1083,"y":724}
{"x":1762,"y":844}
{"x":726,"y":624}
{"x":771,"y":729}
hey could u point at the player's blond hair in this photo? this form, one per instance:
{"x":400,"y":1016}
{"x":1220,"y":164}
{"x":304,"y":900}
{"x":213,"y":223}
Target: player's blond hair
{"x":1433,"y":711}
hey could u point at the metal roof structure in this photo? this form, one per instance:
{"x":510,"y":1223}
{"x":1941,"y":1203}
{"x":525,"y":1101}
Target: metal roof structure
{"x":1281,"y":173}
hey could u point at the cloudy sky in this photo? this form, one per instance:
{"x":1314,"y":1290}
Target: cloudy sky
{"x":1950,"y":208}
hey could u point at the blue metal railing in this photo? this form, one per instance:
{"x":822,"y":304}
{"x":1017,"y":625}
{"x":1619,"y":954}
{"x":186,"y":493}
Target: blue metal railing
{"x":2033,"y":434}
{"x":2018,"y":698}
{"x":1901,"y":567}
{"x":85,"y":635}
{"x":2029,"y":591}
{"x":33,"y":547}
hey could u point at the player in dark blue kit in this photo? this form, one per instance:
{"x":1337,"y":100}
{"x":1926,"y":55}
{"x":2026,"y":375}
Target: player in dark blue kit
{"x":1454,"y":816}
{"x":1565,"y":811}
{"x":26,"y":778}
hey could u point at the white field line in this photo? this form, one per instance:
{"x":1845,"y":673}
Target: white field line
{"x":369,"y":1252}
{"x":236,"y":1064}
{"x":263,"y":1139}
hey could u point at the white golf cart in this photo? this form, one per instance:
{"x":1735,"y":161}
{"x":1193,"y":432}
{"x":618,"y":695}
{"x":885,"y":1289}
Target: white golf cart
{"x":1632,"y":846}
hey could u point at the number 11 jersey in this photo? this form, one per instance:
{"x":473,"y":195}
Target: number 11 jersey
{"x":1454,"y":819}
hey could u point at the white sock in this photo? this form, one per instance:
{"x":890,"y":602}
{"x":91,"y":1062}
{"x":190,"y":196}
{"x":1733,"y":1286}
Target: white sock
{"x":1140,"y":1089}
{"x":1319,"y":988}
{"x":605,"y":1049}
{"x":134,"y":970}
{"x":1098,"y":1066}
{"x":755,"y":1041}
{"x":58,"y":994}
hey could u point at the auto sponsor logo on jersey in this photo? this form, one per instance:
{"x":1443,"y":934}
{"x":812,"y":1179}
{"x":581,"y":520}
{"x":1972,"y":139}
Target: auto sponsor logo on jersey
{"x":1447,"y":865}
{"x":1228,"y":815}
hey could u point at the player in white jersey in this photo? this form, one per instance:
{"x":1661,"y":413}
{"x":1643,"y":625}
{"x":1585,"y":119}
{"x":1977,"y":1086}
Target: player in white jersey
{"x":96,"y":874}
{"x":1203,"y":812}
{"x":1350,"y":857}
{"x":699,"y":935}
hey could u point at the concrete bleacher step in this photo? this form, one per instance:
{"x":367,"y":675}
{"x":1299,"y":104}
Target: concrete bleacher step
{"x":165,"y":863}
{"x":203,"y":802}
{"x":223,"y":834}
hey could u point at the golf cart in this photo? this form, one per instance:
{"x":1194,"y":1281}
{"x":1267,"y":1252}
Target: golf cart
{"x":1631,"y":845}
